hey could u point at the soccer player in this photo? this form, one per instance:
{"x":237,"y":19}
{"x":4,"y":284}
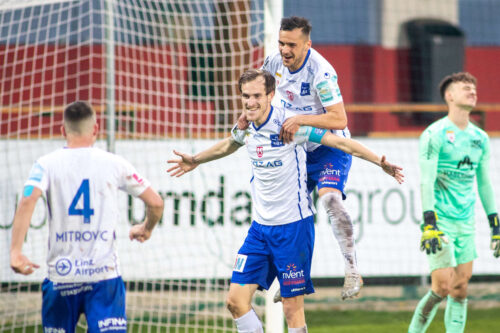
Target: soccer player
{"x":453,"y":151}
{"x":281,"y":238}
{"x":81,"y":185}
{"x":307,"y":85}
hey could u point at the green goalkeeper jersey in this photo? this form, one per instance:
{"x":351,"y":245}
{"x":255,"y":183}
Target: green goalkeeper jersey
{"x":450,"y":159}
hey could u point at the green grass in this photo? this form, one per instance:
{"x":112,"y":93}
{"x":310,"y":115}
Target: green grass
{"x":479,"y":321}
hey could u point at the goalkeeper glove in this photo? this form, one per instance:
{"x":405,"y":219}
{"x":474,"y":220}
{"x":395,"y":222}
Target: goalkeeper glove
{"x":431,"y":235}
{"x":495,"y":234}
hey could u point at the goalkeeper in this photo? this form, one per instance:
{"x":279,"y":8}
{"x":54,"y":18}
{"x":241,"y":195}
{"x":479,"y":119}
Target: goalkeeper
{"x":453,"y":152}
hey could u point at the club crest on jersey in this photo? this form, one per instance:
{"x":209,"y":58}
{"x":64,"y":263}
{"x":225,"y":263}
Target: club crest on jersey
{"x":275,"y":141}
{"x":305,"y":89}
{"x":289,"y":94}
{"x":260,"y":151}
{"x":451,"y":136}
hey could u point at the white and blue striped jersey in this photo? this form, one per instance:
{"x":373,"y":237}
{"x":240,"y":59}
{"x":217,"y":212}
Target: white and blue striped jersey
{"x":308,"y":90}
{"x":81,"y":187}
{"x":279,"y":175}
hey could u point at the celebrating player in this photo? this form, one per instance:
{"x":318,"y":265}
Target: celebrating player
{"x":81,"y":185}
{"x":281,"y":238}
{"x":453,"y":151}
{"x":307,"y":85}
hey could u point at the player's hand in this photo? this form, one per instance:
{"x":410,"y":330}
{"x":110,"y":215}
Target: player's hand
{"x":432,"y":237}
{"x":495,"y":234}
{"x":139,"y":232}
{"x":183,"y":165}
{"x":392,"y":170}
{"x":243,"y":122}
{"x":289,"y":128}
{"x":21,"y":264}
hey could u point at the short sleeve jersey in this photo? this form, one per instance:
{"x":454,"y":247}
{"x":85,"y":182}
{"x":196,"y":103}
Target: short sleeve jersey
{"x":457,"y":154}
{"x":81,"y":187}
{"x":279,"y":190}
{"x":307,"y":90}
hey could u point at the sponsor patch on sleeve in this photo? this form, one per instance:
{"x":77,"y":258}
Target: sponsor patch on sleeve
{"x":325,"y":91}
{"x":36,"y":173}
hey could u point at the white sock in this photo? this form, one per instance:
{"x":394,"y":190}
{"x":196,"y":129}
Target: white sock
{"x":249,"y":323}
{"x":298,"y":330}
{"x":342,"y":228}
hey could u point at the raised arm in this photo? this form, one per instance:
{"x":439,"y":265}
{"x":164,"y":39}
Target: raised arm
{"x":18,"y":262}
{"x":349,"y":146}
{"x":188,"y":162}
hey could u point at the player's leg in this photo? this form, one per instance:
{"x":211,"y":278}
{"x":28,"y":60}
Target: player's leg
{"x":60,"y":306}
{"x":455,"y":315}
{"x":292,"y":248}
{"x":442,"y":266}
{"x":252,"y":269}
{"x":105,"y":306}
{"x":293,"y":308}
{"x":329,"y":169}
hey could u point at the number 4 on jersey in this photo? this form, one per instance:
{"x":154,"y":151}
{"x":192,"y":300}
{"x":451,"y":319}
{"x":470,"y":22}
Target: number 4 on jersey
{"x":86,"y":212}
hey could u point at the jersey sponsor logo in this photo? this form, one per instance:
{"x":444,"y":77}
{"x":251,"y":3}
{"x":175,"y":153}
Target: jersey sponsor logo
{"x":71,"y":289}
{"x":267,"y":164}
{"x":63,"y":266}
{"x":36,"y":173}
{"x":290,"y":106}
{"x":79,"y":236}
{"x":289,"y":94}
{"x":53,"y":330}
{"x":291,"y":276}
{"x":324,"y":91}
{"x":260,"y":151}
{"x":305,"y":89}
{"x":451,"y":136}
{"x":277,"y":74}
{"x":327,"y":75}
{"x":275,"y":140}
{"x":465,"y":162}
{"x":137,"y":178}
{"x":239,"y":263}
{"x":112,"y":324}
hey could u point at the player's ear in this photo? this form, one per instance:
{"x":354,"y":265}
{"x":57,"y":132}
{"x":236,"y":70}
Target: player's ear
{"x":63,"y":131}
{"x":95,"y":131}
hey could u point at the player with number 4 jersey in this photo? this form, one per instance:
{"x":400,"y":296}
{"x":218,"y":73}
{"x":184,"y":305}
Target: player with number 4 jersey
{"x":81,"y":185}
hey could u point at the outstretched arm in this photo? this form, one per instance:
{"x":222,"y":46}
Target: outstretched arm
{"x":188,"y":162}
{"x":18,"y":262}
{"x":349,"y":146}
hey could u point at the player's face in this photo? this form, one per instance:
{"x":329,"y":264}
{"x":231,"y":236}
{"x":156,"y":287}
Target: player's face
{"x":256,"y":102}
{"x":463,"y":95}
{"x":293,"y":46}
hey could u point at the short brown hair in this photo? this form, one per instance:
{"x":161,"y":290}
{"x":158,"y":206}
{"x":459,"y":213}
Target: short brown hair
{"x":455,"y":77}
{"x":253,"y":74}
{"x":77,"y":113}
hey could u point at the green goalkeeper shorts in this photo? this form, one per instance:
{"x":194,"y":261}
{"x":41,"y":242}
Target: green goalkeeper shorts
{"x":460,"y":249}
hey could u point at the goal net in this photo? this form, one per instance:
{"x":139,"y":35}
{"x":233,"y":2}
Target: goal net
{"x":161,"y":75}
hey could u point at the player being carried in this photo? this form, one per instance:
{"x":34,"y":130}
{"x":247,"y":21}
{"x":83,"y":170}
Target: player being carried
{"x":81,"y":185}
{"x":307,"y":85}
{"x":453,"y":152}
{"x":281,"y":236}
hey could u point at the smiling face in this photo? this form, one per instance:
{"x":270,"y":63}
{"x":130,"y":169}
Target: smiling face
{"x":462,"y":95}
{"x":256,"y":102}
{"x":293,"y":46}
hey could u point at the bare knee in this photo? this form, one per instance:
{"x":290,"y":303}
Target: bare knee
{"x":293,"y":308}
{"x":442,"y":288}
{"x":236,"y":306}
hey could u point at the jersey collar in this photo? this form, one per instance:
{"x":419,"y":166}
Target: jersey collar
{"x":264,"y":123}
{"x":303,"y":64}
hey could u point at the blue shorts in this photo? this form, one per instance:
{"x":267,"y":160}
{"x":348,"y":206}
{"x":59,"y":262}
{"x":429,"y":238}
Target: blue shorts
{"x":328,"y":167}
{"x":102,"y":302}
{"x":283,"y":251}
